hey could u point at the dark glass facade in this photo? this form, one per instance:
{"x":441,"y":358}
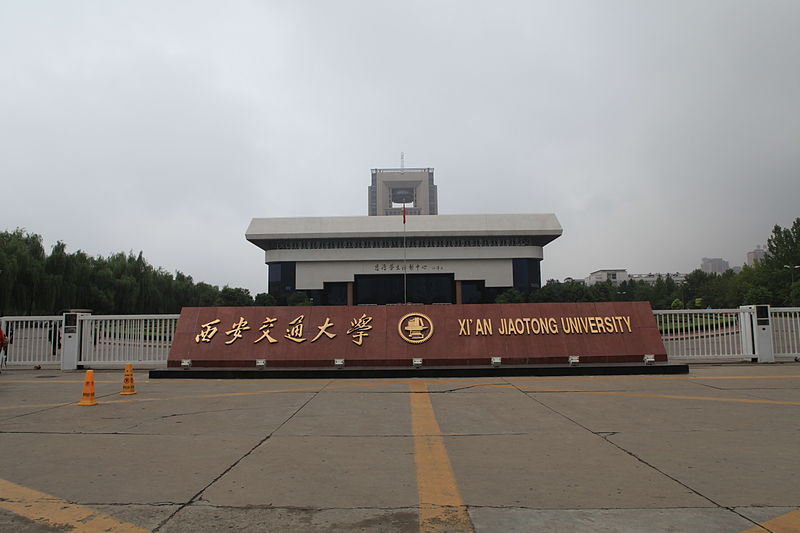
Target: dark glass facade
{"x":382,"y":289}
{"x":527,"y":274}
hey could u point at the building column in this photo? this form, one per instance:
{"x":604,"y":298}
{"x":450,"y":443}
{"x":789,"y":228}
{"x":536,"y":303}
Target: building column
{"x":349,"y":293}
{"x":458,"y":291}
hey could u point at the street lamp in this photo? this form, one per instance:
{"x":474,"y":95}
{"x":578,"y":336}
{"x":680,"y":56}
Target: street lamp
{"x":791,"y":269}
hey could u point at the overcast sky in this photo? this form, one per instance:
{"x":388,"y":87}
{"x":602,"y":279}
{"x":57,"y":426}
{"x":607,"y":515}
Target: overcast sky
{"x":659,"y":132}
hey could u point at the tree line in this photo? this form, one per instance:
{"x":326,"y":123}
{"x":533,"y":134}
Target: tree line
{"x":773,"y":280}
{"x":35,"y":283}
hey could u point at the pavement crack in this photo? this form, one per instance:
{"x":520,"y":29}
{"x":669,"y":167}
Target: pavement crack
{"x":127,"y":504}
{"x":191,"y":413}
{"x":38,"y":411}
{"x":709,"y":385}
{"x":606,"y":436}
{"x":455,"y":389}
{"x":11,"y":432}
{"x":399,"y":435}
{"x":199,"y":493}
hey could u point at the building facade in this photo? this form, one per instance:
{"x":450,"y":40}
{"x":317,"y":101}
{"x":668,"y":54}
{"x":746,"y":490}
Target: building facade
{"x":652,"y":278}
{"x":389,"y":258}
{"x":619,"y":275}
{"x":754,"y":256}
{"x":714,"y":265}
{"x":380,"y":260}
{"x":392,"y":188}
{"x":614,"y":275}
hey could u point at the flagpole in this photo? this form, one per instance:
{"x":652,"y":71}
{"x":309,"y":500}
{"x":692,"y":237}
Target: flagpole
{"x":405,"y":271}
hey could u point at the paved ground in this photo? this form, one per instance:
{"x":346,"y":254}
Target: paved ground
{"x":718,"y":450}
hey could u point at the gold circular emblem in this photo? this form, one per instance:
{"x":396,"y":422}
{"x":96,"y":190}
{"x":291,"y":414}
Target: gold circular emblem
{"x":415,"y":328}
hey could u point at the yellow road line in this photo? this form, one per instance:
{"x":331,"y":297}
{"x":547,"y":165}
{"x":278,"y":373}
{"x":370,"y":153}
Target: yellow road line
{"x":685,"y":377}
{"x":378,"y":383}
{"x":464,"y":381}
{"x":51,"y":511}
{"x":440,"y":505}
{"x":788,"y":523}
{"x":669,"y":396}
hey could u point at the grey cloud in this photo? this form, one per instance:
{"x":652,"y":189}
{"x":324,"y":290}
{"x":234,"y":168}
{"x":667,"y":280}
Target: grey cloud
{"x":658,"y":132}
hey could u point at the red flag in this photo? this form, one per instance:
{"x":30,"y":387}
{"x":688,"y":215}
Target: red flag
{"x":404,"y":213}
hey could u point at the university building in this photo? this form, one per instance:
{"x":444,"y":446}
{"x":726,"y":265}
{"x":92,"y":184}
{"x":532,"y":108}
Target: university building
{"x":403,"y":251}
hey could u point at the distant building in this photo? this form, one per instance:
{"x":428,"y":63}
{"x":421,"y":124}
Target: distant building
{"x":614,"y":275}
{"x":618,"y":276}
{"x":652,"y":278}
{"x":756,"y":255}
{"x":714,"y":265}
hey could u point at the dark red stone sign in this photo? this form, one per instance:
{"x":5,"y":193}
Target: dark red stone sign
{"x":440,"y":335}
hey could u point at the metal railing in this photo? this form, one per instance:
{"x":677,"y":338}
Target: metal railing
{"x":785,"y":323}
{"x":703,"y":333}
{"x":146,"y":339}
{"x":32,"y":340}
{"x":725,"y":333}
{"x":120,"y":339}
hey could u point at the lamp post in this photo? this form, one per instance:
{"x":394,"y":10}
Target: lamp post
{"x":791,"y":269}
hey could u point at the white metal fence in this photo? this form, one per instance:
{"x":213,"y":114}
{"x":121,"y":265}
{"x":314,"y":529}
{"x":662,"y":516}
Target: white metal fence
{"x":725,"y":333}
{"x":120,"y":339}
{"x":105,"y":339}
{"x":696,"y":333}
{"x":785,"y":322}
{"x":146,"y":339}
{"x":32,"y":340}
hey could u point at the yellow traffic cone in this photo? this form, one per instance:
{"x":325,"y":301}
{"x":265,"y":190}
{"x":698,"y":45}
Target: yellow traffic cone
{"x":88,"y":390}
{"x":128,"y":386}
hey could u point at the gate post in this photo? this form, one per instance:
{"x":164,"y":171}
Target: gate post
{"x":757,"y":333}
{"x":71,"y":345}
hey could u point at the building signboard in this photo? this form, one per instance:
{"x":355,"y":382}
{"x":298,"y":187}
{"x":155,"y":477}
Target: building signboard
{"x":394,"y":335}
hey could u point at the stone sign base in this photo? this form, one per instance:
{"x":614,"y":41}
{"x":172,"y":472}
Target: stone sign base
{"x":422,"y":372}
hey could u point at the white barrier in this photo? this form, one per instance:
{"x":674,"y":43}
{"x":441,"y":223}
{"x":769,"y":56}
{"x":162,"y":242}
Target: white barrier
{"x":703,"y":333}
{"x":115,"y":340}
{"x":786,"y":331}
{"x":32,"y":340}
{"x":119,"y":339}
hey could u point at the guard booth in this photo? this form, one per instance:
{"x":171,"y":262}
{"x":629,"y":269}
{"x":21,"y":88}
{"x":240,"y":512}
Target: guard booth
{"x":756,"y":333}
{"x":71,"y":344}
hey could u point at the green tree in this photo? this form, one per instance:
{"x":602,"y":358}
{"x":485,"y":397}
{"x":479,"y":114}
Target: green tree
{"x":757,"y":295}
{"x":32,"y":282}
{"x":777,"y":268}
{"x":265,"y":299}
{"x":235,"y":297}
{"x":509,"y":296}
{"x":298,"y":298}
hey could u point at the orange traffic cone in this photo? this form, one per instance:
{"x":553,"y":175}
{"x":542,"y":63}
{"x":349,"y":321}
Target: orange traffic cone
{"x":127,"y":382}
{"x":88,"y":390}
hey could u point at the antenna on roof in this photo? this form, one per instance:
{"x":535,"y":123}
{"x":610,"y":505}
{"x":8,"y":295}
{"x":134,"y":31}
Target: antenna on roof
{"x":402,"y":160}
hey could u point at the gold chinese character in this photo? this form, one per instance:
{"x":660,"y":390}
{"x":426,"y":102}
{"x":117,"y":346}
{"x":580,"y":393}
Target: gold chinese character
{"x":268,"y":324}
{"x":208,"y":332}
{"x":323,"y":329}
{"x":238,"y":328}
{"x":295,"y":333}
{"x":359,"y":328}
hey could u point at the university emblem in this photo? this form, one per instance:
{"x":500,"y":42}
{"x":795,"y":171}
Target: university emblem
{"x":415,"y":328}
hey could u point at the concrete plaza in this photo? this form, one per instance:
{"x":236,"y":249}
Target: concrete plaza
{"x":715,"y":451}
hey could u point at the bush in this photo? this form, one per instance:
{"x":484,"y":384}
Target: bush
{"x":298,"y":298}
